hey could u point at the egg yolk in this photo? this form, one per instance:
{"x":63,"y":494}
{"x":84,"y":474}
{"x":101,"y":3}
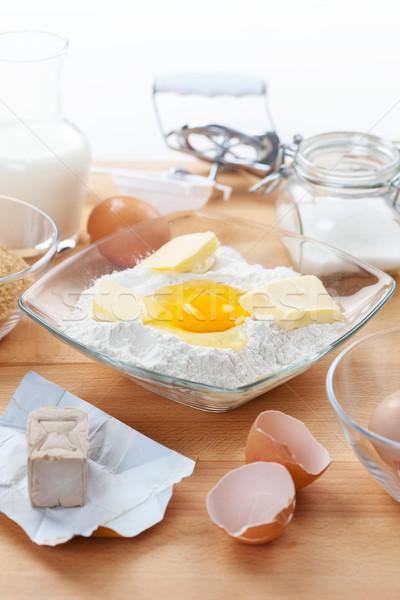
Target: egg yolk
{"x":207,"y":313}
{"x":199,"y":312}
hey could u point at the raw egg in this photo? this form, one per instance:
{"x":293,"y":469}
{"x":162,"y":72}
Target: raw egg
{"x":385,"y":421}
{"x":199,"y":312}
{"x":122,"y":214}
{"x":254,"y":503}
{"x":277,"y":437}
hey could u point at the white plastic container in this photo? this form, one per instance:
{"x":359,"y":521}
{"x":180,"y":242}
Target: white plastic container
{"x":167,"y":191}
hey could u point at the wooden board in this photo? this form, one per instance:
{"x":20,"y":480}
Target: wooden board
{"x":343,"y":541}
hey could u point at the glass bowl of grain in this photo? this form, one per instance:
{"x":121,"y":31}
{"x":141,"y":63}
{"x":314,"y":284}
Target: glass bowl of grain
{"x":207,"y":378}
{"x":28,"y":243}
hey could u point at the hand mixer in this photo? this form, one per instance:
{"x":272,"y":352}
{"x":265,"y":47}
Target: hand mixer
{"x":217,"y":143}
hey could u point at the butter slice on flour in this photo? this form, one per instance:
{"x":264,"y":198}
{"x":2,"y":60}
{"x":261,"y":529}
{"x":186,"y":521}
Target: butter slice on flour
{"x":192,"y":252}
{"x":114,"y":302}
{"x":293,"y":302}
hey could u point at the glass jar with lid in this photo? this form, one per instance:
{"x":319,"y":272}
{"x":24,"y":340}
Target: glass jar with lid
{"x":343,"y":189}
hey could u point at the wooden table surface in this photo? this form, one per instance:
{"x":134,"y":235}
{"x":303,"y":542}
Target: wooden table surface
{"x":344,"y":540}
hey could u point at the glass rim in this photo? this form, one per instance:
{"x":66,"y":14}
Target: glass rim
{"x":337,"y":407}
{"x":380,"y":176}
{"x":64,"y":43}
{"x":48,"y":254}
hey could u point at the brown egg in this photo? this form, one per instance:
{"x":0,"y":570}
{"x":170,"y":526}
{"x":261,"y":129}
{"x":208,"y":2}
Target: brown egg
{"x":254,"y":503}
{"x":385,"y":421}
{"x":117,"y":213}
{"x":277,"y":437}
{"x":139,"y":229}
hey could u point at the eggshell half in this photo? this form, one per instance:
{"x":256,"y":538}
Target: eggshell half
{"x":254,"y":503}
{"x":277,"y":437}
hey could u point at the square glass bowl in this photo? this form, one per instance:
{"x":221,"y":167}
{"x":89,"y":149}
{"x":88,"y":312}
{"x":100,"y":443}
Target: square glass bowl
{"x":359,"y":289}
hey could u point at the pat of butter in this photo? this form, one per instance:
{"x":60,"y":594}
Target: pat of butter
{"x":114,"y":302}
{"x":58,"y":452}
{"x":293,"y":302}
{"x":192,"y":252}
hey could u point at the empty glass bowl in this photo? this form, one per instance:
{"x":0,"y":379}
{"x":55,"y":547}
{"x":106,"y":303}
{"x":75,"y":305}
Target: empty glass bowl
{"x":359,"y":289}
{"x":33,"y":236}
{"x":358,"y":380}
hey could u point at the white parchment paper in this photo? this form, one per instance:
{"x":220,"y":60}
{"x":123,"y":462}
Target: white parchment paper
{"x":130,"y":476}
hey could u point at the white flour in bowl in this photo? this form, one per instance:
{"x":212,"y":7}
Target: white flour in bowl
{"x":269,"y":347}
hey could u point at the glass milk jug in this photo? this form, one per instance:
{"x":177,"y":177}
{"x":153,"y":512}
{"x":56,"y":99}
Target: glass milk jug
{"x":44,"y":159}
{"x":342,"y":188}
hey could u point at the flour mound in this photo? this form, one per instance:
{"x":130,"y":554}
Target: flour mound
{"x":269,"y":347}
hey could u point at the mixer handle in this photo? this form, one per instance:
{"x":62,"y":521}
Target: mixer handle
{"x":210,"y":84}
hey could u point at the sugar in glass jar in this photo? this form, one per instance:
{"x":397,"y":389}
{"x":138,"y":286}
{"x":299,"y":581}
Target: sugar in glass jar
{"x":343,"y":189}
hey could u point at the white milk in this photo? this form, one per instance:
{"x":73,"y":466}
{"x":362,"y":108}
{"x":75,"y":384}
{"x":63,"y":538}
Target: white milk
{"x":46,"y":163}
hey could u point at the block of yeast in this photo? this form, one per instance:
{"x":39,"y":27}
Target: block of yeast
{"x":58,"y":452}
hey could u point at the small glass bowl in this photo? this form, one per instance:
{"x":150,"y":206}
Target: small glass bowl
{"x":358,"y":380}
{"x":32,"y":235}
{"x":359,"y":289}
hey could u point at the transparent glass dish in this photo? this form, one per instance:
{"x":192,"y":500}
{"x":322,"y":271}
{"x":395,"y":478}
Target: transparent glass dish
{"x":33,"y":236}
{"x":360,"y":290}
{"x":358,"y":380}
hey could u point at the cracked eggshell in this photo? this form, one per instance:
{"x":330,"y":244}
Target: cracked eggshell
{"x":254,"y":503}
{"x":277,"y":437}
